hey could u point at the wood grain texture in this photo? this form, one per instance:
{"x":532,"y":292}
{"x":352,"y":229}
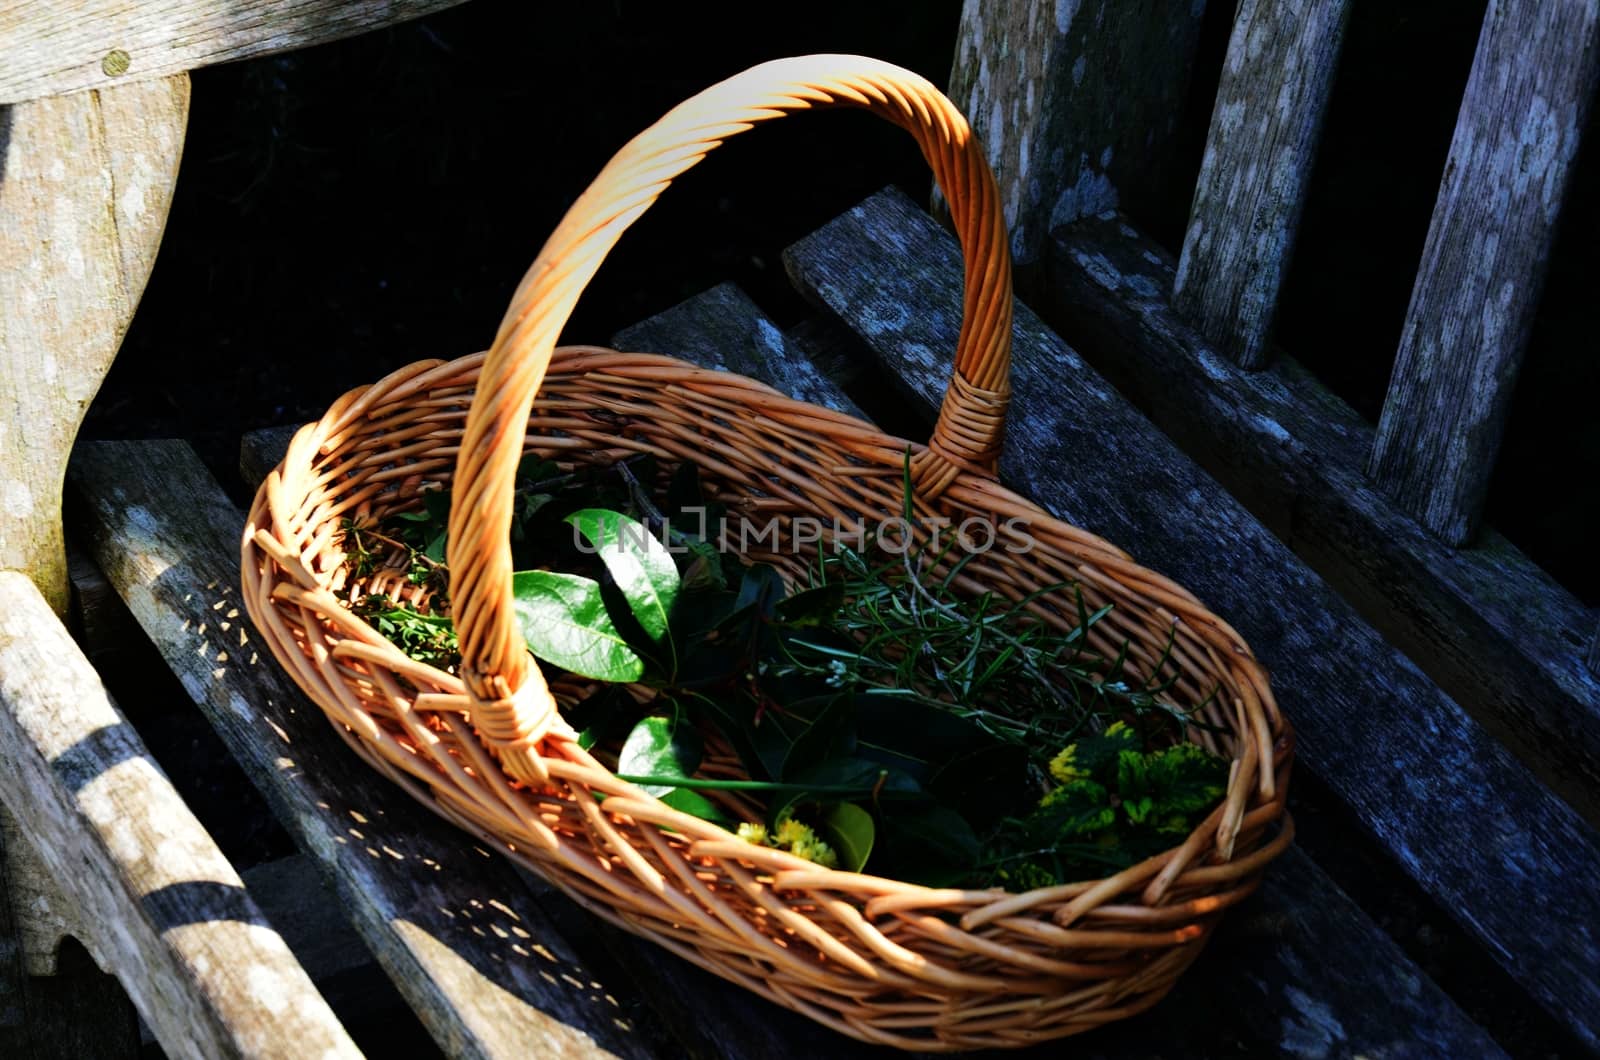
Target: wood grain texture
{"x":1510,"y":164}
{"x":105,"y":43}
{"x":1298,"y":966}
{"x":42,"y":915}
{"x":722,"y":328}
{"x":450,"y":922}
{"x":1498,"y":634}
{"x":165,"y":911}
{"x":1272,"y":98}
{"x":85,"y":181}
{"x":1448,"y":802}
{"x":1075,"y":102}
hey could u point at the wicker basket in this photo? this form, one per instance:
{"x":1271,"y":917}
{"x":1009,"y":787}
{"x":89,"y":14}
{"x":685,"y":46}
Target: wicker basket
{"x":881,"y":960}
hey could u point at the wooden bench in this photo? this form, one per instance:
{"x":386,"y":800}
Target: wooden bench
{"x":1448,"y":742}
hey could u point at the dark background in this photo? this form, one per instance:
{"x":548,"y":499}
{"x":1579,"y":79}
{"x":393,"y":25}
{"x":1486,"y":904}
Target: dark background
{"x":344,"y":210}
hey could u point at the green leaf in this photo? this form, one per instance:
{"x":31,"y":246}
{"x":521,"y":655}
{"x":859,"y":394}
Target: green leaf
{"x":696,"y":805}
{"x":926,"y":843}
{"x":668,"y":747}
{"x":761,"y":589}
{"x":849,"y":830}
{"x":811,"y":608}
{"x":829,"y":735}
{"x":564,"y":621}
{"x":534,"y":468}
{"x":1079,"y":808}
{"x":660,"y":747}
{"x":642,"y":567}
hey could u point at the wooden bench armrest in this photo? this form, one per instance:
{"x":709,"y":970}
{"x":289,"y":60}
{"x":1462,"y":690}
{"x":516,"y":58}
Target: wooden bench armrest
{"x":164,"y":909}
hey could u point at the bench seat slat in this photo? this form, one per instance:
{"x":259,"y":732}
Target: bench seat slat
{"x":451,"y":923}
{"x":1449,"y":803}
{"x":1298,"y":965}
{"x":165,"y":911}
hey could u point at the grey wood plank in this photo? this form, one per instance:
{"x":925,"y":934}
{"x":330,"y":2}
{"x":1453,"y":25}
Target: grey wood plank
{"x":85,"y":182}
{"x":451,"y":923}
{"x":52,"y":49}
{"x":1274,"y":93}
{"x":1298,"y":966}
{"x":1510,"y":166}
{"x":1498,"y":634}
{"x":159,"y":904}
{"x":1075,"y":103}
{"x":1449,"y":803}
{"x":722,"y":328}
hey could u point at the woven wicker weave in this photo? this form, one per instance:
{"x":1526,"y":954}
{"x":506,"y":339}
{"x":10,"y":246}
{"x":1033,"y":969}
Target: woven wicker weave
{"x":878,"y":959}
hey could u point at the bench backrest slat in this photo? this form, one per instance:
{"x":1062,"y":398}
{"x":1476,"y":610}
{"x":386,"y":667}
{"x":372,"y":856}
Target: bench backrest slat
{"x":1268,"y":116}
{"x":85,"y":182}
{"x":107,"y":42}
{"x":1075,"y":103}
{"x":1515,"y":145}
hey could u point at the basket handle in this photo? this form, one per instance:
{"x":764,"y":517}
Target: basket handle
{"x":512,"y":706}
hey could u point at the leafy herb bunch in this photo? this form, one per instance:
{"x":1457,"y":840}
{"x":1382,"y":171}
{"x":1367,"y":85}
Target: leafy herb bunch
{"x":872,"y":718}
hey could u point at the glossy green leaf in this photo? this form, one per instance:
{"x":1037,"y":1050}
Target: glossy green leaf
{"x":696,"y":805}
{"x":812,"y":607}
{"x":850,"y":831}
{"x":564,"y":621}
{"x":761,"y":589}
{"x":641,"y":565}
{"x":828,"y":735}
{"x":660,"y":747}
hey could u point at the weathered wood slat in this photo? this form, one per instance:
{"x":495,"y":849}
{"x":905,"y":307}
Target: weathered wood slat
{"x":1075,"y":102}
{"x":1298,"y":966}
{"x":85,"y":182}
{"x":165,"y":910}
{"x":1498,"y":634}
{"x":43,"y":915}
{"x":1483,"y":266}
{"x":722,"y":328}
{"x":1274,"y":93}
{"x":451,"y":923}
{"x":1448,"y":802}
{"x":105,"y":43}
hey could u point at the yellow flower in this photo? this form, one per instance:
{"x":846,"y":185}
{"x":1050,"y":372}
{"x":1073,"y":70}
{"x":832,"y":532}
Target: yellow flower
{"x":1062,"y":767}
{"x":795,"y":837}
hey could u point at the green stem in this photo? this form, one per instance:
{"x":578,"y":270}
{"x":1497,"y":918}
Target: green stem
{"x":744,"y":785}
